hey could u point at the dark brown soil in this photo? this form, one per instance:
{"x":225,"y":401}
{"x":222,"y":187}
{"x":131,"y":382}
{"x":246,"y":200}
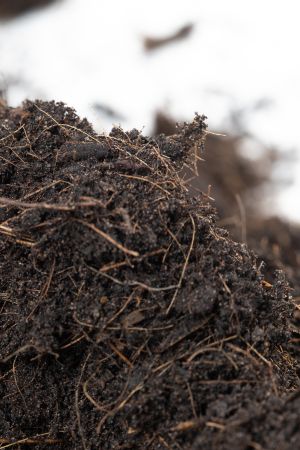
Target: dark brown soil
{"x":239,"y":186}
{"x":128,"y":318}
{"x":11,"y":8}
{"x":235,"y":179}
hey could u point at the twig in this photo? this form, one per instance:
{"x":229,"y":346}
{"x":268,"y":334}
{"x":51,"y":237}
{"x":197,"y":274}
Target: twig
{"x":44,"y":290}
{"x":120,"y":406}
{"x":108,"y":238}
{"x":192,"y":400}
{"x":29,"y":441}
{"x":10,"y":232}
{"x":44,"y":188}
{"x":133,"y":282}
{"x":16,"y":382}
{"x":120,"y":354}
{"x":123,"y":307}
{"x":56,"y":207}
{"x":210,"y":347}
{"x":11,"y":133}
{"x":219,"y":426}
{"x":146,"y":180}
{"x":22,"y":349}
{"x":77,"y":403}
{"x":184,"y":266}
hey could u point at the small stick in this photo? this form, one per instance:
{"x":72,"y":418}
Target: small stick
{"x":123,"y":307}
{"x":44,"y":290}
{"x":147,"y":181}
{"x":120,"y":406}
{"x":192,"y":400}
{"x":77,"y":403}
{"x":11,"y":133}
{"x":16,"y":382}
{"x":29,"y":441}
{"x":215,"y":425}
{"x":43,"y":188}
{"x":120,"y":354}
{"x":133,"y":282}
{"x":108,"y":238}
{"x":184,"y":266}
{"x":56,"y":207}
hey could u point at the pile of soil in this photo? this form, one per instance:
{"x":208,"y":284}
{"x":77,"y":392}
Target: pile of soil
{"x":129,"y":319}
{"x":11,"y":8}
{"x":238,"y":186}
{"x":234,"y":178}
{"x":277,"y":245}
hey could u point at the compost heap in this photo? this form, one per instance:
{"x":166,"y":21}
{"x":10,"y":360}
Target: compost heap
{"x":238,"y":187}
{"x":231,"y":174}
{"x":128,"y":318}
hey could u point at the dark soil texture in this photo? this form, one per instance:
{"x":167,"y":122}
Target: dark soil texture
{"x":239,"y":186}
{"x":129,"y":319}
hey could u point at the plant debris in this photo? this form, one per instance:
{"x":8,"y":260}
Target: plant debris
{"x":108,"y":111}
{"x":153,"y":43}
{"x":129,"y":319}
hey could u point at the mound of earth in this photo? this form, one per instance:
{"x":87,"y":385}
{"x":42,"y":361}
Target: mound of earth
{"x":129,"y":319}
{"x":236,"y":180}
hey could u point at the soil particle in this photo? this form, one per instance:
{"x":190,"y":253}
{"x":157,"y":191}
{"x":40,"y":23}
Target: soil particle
{"x":129,"y":319}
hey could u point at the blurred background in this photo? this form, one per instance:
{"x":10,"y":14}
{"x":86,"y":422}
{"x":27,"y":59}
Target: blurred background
{"x":150,"y":64}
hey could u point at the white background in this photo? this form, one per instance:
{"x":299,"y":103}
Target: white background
{"x":84,"y":51}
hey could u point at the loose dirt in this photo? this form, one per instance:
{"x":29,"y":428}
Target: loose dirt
{"x":129,"y":319}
